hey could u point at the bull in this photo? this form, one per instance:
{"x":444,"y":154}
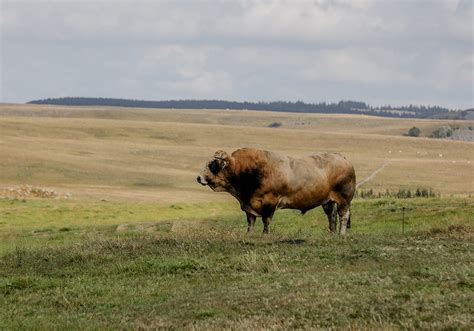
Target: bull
{"x":264,"y":181}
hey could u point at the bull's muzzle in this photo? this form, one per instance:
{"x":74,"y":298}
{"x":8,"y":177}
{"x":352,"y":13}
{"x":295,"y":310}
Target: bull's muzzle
{"x":201,"y":180}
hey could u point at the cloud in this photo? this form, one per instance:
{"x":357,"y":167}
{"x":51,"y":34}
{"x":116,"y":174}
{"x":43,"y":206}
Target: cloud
{"x":320,"y":50}
{"x":307,"y":22}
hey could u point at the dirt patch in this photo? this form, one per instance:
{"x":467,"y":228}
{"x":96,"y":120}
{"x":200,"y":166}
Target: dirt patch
{"x":144,"y":227}
{"x":186,"y":225}
{"x":454,"y":231}
{"x":177,"y":226}
{"x":292,"y":241}
{"x":459,"y":228}
{"x":29,"y":191}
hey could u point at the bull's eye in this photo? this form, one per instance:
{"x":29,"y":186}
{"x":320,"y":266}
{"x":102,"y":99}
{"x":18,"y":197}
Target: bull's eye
{"x":214,"y":167}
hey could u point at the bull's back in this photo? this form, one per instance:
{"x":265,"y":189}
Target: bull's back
{"x":318,"y":178}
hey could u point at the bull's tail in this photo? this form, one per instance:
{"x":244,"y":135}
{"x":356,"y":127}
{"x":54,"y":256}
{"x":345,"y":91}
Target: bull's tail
{"x":349,"y":221}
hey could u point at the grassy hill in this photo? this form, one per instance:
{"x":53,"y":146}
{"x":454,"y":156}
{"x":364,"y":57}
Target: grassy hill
{"x":131,"y":241}
{"x":156,"y":154}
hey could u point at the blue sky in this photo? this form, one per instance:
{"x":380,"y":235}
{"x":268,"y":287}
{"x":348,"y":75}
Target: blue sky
{"x":380,"y":52}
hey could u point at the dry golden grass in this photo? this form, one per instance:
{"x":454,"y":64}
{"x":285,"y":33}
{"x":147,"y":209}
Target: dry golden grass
{"x":155,"y":154}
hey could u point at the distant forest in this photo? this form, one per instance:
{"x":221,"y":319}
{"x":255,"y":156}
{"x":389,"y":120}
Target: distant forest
{"x":342,"y":107}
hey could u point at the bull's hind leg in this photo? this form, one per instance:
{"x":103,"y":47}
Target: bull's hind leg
{"x":331,"y":212}
{"x":344,"y":212}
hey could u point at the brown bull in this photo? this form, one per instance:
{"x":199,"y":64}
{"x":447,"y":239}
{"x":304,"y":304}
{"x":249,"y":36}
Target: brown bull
{"x":265,"y":181}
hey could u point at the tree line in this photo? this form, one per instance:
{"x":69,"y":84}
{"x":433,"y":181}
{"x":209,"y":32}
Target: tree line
{"x":342,"y":107}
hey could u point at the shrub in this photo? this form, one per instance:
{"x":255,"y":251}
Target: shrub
{"x":442,"y":132}
{"x":414,"y":132}
{"x":400,"y":194}
{"x":275,"y":125}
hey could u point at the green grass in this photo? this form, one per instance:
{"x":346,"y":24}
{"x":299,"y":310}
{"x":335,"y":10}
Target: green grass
{"x":36,"y":222}
{"x":106,"y":265}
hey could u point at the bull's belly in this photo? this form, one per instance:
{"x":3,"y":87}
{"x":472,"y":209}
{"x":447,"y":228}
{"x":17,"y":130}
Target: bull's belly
{"x":302,"y":204}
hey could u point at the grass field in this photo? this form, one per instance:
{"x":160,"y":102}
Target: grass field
{"x":140,"y":245}
{"x":77,"y":265}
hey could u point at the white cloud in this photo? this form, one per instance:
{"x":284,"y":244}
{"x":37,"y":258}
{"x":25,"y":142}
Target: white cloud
{"x":376,"y":51}
{"x":306,"y":22}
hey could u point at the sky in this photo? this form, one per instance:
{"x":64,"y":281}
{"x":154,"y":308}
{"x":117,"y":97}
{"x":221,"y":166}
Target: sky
{"x":380,"y":52}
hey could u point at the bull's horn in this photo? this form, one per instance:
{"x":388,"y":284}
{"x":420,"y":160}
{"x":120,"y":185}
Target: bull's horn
{"x":221,"y":155}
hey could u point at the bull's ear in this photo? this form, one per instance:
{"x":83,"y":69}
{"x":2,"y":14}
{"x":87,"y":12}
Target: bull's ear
{"x":222,"y":157}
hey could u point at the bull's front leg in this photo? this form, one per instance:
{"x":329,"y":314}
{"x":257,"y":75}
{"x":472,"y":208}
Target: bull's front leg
{"x":266,"y":223}
{"x":250,"y":221}
{"x":267,"y":214}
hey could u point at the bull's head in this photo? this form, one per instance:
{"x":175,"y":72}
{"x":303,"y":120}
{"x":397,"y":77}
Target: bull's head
{"x":213,"y":173}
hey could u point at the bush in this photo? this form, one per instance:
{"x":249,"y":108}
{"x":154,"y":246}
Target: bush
{"x":275,"y":125}
{"x":442,"y":132}
{"x":414,"y":132}
{"x":400,"y":194}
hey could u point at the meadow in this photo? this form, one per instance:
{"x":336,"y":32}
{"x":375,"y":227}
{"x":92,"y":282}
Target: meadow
{"x":133,"y":242}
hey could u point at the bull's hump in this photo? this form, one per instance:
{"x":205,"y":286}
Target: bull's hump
{"x":246,"y":155}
